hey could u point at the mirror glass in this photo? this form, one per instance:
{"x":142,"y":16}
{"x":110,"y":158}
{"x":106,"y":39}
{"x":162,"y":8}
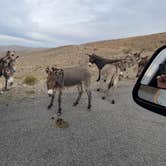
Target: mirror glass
{"x":153,"y":83}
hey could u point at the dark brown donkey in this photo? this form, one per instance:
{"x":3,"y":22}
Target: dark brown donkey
{"x":101,"y":62}
{"x":7,"y":68}
{"x":74,"y":76}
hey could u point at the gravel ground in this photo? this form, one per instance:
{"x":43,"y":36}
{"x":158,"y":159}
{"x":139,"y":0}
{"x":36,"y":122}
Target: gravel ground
{"x":122,"y":134}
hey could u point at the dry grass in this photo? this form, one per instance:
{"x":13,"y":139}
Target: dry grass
{"x":30,"y":80}
{"x":30,"y":92}
{"x":127,"y":50}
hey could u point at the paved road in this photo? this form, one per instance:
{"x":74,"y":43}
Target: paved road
{"x":123,"y":134}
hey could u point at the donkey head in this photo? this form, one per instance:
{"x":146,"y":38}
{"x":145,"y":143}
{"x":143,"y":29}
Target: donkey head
{"x":54,"y":79}
{"x":9,"y":55}
{"x":92,"y":58}
{"x":12,"y":59}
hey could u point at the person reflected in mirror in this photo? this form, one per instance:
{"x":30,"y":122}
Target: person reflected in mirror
{"x":160,"y":96}
{"x":161,"y":78}
{"x":161,"y":81}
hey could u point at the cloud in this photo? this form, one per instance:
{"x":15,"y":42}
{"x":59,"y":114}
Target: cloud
{"x":10,"y":40}
{"x":54,"y":23}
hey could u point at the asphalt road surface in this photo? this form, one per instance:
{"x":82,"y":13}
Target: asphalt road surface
{"x":122,"y":134}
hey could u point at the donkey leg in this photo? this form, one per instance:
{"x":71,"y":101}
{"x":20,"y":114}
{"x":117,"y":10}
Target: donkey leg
{"x":113,"y":100}
{"x":87,"y":84}
{"x":103,"y":85}
{"x":98,"y":79}
{"x":100,"y":83}
{"x":59,"y":102}
{"x":89,"y":94}
{"x":80,"y":91}
{"x":51,"y":102}
{"x":114,"y":86}
{"x":5,"y":84}
{"x":105,"y":94}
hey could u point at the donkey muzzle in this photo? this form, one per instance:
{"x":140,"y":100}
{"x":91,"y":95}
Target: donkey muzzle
{"x":10,"y":81}
{"x":14,"y":69}
{"x":89,"y":64}
{"x":50,"y":92}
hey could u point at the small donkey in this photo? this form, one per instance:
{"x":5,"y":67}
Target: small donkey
{"x":7,"y":68}
{"x":141,"y":64}
{"x":59,"y":78}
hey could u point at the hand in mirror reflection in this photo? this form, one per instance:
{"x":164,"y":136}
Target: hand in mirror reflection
{"x":161,"y":81}
{"x":161,"y":78}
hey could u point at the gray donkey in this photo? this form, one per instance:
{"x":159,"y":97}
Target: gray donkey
{"x":74,"y":76}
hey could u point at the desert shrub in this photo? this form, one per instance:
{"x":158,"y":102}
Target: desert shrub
{"x":30,"y":80}
{"x":30,"y":92}
{"x":126,"y":50}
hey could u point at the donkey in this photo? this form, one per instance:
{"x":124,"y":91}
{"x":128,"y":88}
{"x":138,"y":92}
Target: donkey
{"x":129,"y":61}
{"x":141,"y":65}
{"x":7,"y":68}
{"x":101,"y":62}
{"x":58,"y":78}
{"x":109,"y":79}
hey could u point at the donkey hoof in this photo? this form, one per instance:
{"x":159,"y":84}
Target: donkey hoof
{"x":103,"y":98}
{"x":98,"y":89}
{"x":113,"y":102}
{"x":89,"y":107}
{"x":49,"y":107}
{"x":74,"y":104}
{"x":52,"y":118}
{"x":59,"y":114}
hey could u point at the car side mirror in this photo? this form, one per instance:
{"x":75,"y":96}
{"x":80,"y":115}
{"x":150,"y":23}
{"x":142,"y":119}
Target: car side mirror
{"x":150,"y":89}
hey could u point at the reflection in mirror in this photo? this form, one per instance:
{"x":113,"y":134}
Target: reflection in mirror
{"x":155,"y":76}
{"x":154,"y":95}
{"x":153,"y":83}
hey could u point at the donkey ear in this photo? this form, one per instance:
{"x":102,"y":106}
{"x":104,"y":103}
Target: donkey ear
{"x":7,"y":53}
{"x":15,"y":58}
{"x":88,"y":55}
{"x":47,"y":70}
{"x":53,"y":69}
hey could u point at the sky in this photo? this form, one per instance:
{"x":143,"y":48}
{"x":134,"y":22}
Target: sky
{"x":52,"y":23}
